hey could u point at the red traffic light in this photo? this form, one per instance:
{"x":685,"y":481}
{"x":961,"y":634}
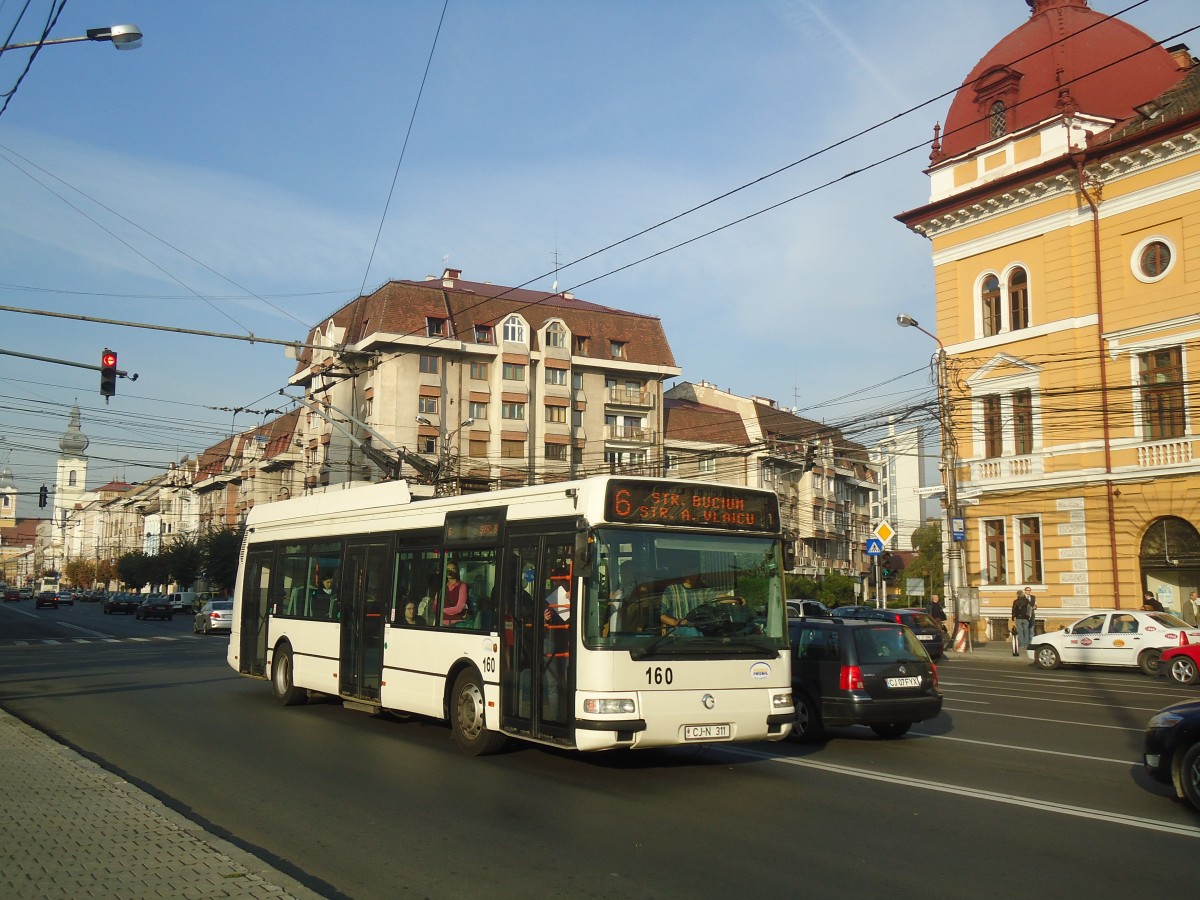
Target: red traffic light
{"x":108,"y":373}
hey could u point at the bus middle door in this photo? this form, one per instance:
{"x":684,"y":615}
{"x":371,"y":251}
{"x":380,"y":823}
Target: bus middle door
{"x":537,"y":637}
{"x":365,"y":596}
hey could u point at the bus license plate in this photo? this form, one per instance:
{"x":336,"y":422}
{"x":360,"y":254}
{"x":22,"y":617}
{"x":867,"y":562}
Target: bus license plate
{"x":903,"y":682}
{"x":706,"y":732}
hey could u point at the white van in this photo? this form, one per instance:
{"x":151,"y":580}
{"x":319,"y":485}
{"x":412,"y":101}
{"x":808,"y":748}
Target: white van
{"x":183,"y":602}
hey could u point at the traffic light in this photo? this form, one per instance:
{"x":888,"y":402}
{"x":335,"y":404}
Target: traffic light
{"x":108,"y":373}
{"x":887,"y":565}
{"x":43,"y":494}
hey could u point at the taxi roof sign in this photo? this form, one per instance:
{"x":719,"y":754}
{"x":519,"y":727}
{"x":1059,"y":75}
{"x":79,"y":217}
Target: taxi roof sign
{"x":884,"y":531}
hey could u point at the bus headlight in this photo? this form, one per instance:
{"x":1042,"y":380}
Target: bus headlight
{"x":782,"y":701}
{"x":617,"y":706}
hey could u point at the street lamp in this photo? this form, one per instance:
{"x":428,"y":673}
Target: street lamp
{"x":949,"y":469}
{"x":123,"y":37}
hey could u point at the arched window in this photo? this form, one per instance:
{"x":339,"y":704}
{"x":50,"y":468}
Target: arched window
{"x":514,"y":330}
{"x":998,"y":116}
{"x":1018,"y":299}
{"x":71,"y":476}
{"x":991,"y":305}
{"x":556,"y":335}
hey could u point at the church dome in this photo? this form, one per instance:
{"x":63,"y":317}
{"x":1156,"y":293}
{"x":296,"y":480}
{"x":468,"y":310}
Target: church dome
{"x":74,"y":441}
{"x":1030,"y":75}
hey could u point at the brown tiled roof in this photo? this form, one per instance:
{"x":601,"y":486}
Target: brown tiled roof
{"x":23,"y":534}
{"x":687,"y":420}
{"x":211,"y":462}
{"x":402,"y":307}
{"x":1175,"y":103}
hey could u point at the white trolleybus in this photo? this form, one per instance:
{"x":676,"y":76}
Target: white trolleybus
{"x":603,"y":613}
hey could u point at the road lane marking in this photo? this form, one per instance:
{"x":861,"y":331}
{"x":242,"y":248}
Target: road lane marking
{"x":980,"y":712}
{"x":946,"y":737}
{"x":1079,"y":812}
{"x":1149,"y":709}
{"x":87,"y":631}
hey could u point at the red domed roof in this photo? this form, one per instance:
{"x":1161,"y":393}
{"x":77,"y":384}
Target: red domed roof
{"x":1022,"y":72}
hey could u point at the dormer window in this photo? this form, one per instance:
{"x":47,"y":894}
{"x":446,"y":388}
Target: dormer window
{"x":514,"y":330}
{"x":997,"y":119}
{"x":616,"y":349}
{"x":556,"y":335}
{"x":484,"y":334}
{"x":581,"y":344}
{"x":435,"y":327}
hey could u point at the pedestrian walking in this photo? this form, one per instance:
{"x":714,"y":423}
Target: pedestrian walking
{"x":1194,"y":603}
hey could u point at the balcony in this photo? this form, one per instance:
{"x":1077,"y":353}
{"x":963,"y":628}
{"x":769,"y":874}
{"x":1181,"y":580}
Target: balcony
{"x":1173,"y":452}
{"x":1008,"y":468}
{"x":631,"y":434}
{"x":619,"y":396}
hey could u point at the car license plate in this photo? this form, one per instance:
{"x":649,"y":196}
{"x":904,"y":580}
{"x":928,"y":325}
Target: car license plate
{"x":903,"y":682}
{"x":925,"y":637}
{"x":706,"y":732}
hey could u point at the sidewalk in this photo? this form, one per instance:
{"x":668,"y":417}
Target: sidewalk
{"x":70,"y":829}
{"x":992,"y":651}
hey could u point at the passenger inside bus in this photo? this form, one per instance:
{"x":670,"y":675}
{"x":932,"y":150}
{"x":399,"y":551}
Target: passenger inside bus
{"x":324,"y":600}
{"x":410,"y":614}
{"x":454,"y":604}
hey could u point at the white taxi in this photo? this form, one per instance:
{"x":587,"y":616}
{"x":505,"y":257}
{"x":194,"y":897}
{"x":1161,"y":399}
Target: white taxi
{"x":1115,"y":637}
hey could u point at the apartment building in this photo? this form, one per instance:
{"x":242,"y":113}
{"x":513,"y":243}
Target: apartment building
{"x":825,"y":483}
{"x":475,"y":386}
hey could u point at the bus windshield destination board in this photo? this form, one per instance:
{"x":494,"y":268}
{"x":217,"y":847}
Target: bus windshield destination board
{"x":691,"y":505}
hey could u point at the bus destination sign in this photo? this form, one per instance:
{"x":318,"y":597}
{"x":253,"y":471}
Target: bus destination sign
{"x":691,"y":505}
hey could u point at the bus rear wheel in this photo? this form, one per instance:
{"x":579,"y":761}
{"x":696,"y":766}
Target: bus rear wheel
{"x":467,"y":717}
{"x":281,"y":678}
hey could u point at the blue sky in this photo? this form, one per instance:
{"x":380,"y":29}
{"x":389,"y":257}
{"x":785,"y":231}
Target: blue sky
{"x":231,"y":176}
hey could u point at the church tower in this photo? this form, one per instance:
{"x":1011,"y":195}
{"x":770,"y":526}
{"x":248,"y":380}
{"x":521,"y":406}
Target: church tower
{"x":71,"y":482}
{"x":8,"y":499}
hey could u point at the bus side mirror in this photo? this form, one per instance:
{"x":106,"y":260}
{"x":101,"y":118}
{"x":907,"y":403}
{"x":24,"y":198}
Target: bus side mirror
{"x":584,"y":542}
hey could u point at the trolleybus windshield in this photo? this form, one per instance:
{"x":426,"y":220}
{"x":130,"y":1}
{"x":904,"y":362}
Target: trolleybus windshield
{"x":685,"y":592}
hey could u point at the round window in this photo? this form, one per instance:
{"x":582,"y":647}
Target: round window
{"x":1155,"y":259}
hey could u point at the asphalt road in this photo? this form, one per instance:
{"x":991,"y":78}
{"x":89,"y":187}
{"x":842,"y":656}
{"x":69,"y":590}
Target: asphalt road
{"x":1028,"y":781}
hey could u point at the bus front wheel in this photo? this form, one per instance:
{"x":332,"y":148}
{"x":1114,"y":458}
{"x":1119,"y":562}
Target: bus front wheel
{"x":281,"y":678}
{"x":467,"y":711}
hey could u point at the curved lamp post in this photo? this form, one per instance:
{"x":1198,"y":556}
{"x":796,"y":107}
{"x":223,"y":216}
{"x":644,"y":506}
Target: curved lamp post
{"x":948,"y":466}
{"x":123,"y":37}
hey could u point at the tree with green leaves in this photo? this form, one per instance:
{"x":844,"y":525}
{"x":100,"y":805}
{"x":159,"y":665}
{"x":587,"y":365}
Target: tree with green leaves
{"x":184,"y":561}
{"x":134,"y":568}
{"x":927,"y":564}
{"x":220,"y":550}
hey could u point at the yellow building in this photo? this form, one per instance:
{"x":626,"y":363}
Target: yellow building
{"x":1064,"y":219}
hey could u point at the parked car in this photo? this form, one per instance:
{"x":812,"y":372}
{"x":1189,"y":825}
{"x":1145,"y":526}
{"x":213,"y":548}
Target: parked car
{"x":215,"y":615}
{"x":800,"y":608}
{"x":46,"y":598}
{"x":927,"y":629}
{"x":12,"y":594}
{"x":120,"y":603}
{"x":1171,"y":749}
{"x":860,"y":672}
{"x":1182,"y":664}
{"x":1115,"y":637}
{"x":156,"y":606}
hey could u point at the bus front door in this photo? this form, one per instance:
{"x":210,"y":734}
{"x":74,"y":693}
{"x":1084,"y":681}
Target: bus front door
{"x":363,"y":598}
{"x":255,"y":603}
{"x":538,"y":633}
